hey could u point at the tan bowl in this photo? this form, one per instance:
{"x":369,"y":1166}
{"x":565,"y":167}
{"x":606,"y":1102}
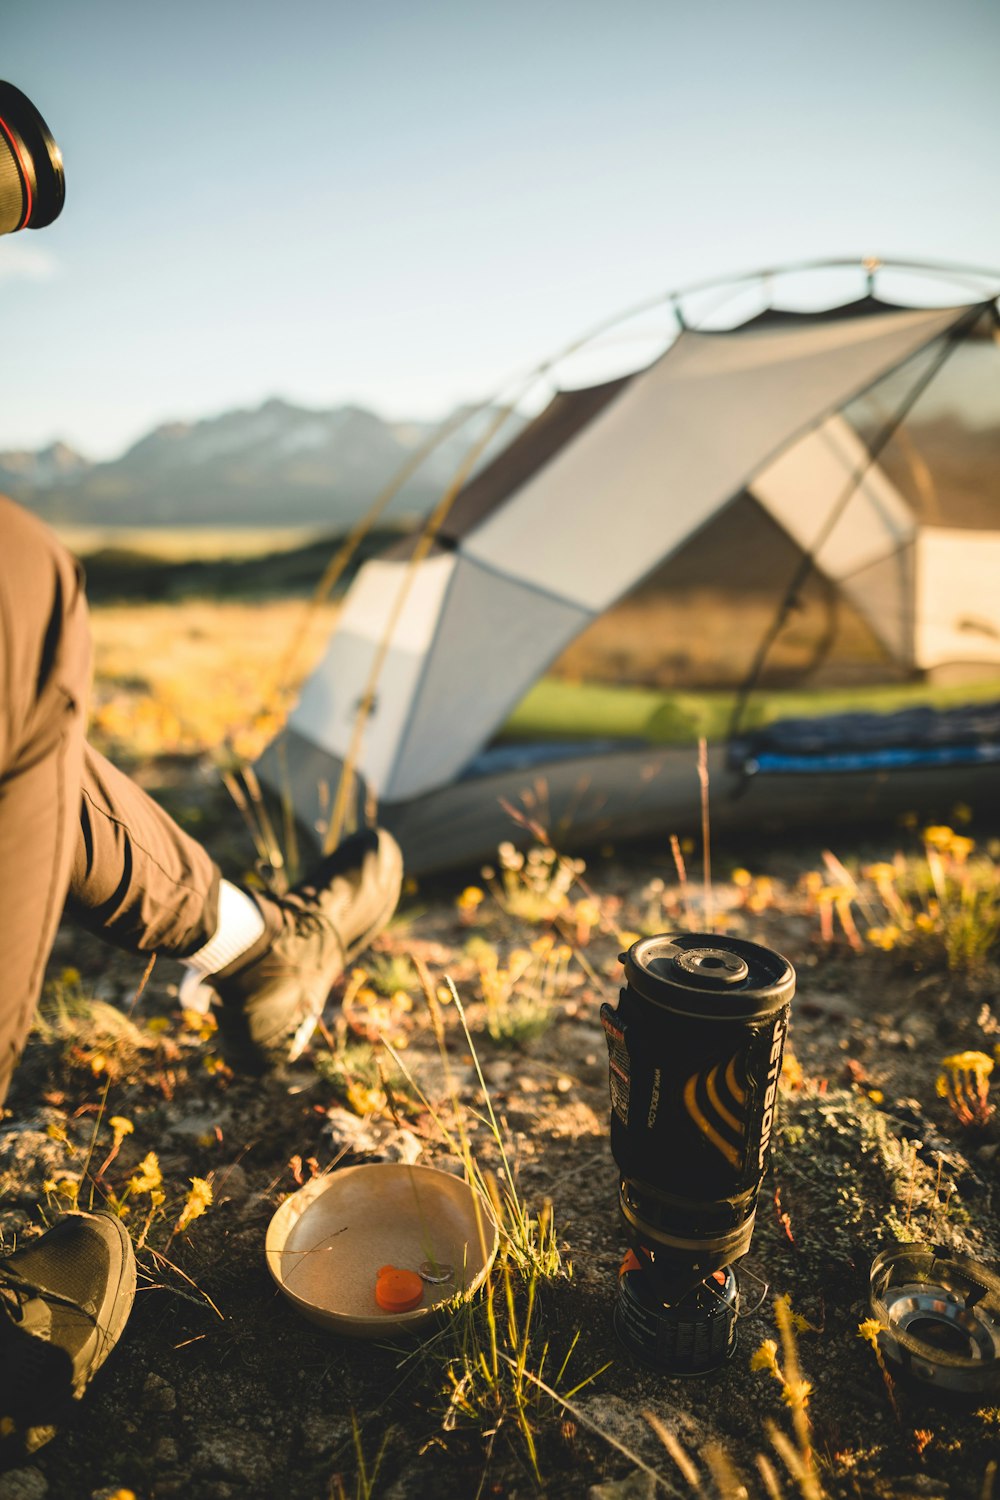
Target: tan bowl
{"x":327,"y":1242}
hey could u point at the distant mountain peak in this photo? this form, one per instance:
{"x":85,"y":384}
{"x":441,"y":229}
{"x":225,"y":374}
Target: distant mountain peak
{"x":276,"y":462}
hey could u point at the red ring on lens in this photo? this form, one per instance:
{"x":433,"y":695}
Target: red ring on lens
{"x":24,"y":171}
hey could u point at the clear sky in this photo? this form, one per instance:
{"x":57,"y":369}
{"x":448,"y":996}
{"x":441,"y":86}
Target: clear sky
{"x":399,"y":202}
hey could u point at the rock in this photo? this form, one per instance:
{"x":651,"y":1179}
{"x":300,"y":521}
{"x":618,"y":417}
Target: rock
{"x":258,"y":1206}
{"x":346,"y":1131}
{"x":635,"y":1486}
{"x":23,"y":1484}
{"x":29,"y":1155}
{"x":614,"y":1417}
{"x":401,"y":1145}
{"x":321,"y":1433}
{"x":229,"y":1454}
{"x":369,"y":1138}
{"x":231,"y":1184}
{"x":157,"y":1395}
{"x":192,"y":1125}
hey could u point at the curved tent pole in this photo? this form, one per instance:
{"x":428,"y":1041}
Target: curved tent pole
{"x":523,"y":383}
{"x":950,"y":343}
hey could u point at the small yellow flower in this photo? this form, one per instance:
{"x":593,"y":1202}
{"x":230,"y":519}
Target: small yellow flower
{"x":882,"y":873}
{"x":198,"y":1200}
{"x":938,"y":836}
{"x":120,"y":1128}
{"x":148,"y":1176}
{"x":158,"y":1025}
{"x":796,"y":1392}
{"x":470,"y":898}
{"x":741,"y":877}
{"x":7,"y":1427}
{"x":65,"y":1187}
{"x":765,"y":1357}
{"x":977,"y":1063}
{"x":70,"y":977}
{"x":869,"y":1330}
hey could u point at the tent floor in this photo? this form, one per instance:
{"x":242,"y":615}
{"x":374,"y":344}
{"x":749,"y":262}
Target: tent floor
{"x":582,"y":800}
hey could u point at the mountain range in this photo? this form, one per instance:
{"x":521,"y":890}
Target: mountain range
{"x":278,"y":464}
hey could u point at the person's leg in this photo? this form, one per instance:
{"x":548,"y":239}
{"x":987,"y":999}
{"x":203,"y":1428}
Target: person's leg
{"x":137,"y":879}
{"x":44,"y":687}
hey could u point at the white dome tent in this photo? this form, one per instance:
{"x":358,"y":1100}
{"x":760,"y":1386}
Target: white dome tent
{"x":794,"y":424}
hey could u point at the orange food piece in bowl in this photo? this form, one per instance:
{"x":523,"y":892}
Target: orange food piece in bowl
{"x":398,"y":1291}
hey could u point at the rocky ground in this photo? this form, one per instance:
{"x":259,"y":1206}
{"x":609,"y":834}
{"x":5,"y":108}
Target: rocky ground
{"x":220,"y":1389}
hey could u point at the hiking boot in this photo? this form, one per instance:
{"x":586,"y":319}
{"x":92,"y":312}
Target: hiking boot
{"x":272,"y":996}
{"x":64,"y":1300}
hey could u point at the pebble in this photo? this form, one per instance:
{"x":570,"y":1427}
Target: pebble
{"x":635,"y":1486}
{"x":157,"y":1395}
{"x":23,"y":1484}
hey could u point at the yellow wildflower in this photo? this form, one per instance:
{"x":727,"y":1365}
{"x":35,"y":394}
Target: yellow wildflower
{"x":765,"y":1357}
{"x":158,"y":1025}
{"x":741,"y":877}
{"x":70,"y":977}
{"x":120,"y":1128}
{"x":64,"y":1187}
{"x":148,"y":1176}
{"x":869,"y":1330}
{"x":198,"y":1200}
{"x":796,"y":1392}
{"x":470,"y":898}
{"x":938,"y":836}
{"x":885,"y":938}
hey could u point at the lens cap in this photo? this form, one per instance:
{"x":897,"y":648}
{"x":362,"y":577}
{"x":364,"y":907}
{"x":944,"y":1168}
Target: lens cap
{"x":32,"y":181}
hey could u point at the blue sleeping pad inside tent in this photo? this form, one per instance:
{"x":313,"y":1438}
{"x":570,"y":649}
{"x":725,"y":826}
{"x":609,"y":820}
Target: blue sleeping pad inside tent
{"x":912,"y":737}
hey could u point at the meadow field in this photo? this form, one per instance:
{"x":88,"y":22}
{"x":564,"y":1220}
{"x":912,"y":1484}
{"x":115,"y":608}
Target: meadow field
{"x":469,"y":1038}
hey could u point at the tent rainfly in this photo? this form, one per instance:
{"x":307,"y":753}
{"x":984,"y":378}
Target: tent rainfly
{"x":601,"y":490}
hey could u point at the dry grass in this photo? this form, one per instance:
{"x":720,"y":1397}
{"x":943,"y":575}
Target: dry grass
{"x":188,"y":678}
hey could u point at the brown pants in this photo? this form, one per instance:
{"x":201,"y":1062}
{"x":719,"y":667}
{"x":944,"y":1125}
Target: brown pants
{"x":70,"y":824}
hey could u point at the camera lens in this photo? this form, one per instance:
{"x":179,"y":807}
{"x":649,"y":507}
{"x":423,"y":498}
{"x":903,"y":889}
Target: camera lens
{"x":32,"y":185}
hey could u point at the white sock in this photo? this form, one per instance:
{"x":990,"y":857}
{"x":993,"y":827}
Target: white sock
{"x":239,"y":926}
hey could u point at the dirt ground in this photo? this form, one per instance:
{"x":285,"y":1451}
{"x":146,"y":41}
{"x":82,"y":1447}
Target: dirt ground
{"x":220,"y":1389}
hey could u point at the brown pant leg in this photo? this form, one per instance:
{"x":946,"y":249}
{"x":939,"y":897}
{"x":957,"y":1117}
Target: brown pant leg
{"x":137,"y":879}
{"x":64,"y":811}
{"x":44,"y":686}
